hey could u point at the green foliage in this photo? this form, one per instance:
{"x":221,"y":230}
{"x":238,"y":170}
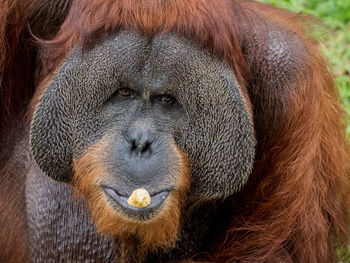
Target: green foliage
{"x":335,"y":40}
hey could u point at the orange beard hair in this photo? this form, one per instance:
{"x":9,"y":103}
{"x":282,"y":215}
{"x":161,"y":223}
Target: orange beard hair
{"x":158,"y":232}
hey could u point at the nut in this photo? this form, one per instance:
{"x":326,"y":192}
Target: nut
{"x":139,"y":198}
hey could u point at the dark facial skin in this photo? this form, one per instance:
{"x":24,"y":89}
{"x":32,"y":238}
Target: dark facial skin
{"x":146,"y":97}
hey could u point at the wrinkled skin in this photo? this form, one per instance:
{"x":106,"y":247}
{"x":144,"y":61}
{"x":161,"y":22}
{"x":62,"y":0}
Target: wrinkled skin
{"x":142,"y":96}
{"x":81,"y":104}
{"x":223,"y":112}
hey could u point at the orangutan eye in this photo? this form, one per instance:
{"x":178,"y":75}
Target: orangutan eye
{"x":167,"y":99}
{"x":125,"y":92}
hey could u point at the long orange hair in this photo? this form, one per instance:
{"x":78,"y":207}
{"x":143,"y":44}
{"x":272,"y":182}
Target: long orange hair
{"x":295,"y":207}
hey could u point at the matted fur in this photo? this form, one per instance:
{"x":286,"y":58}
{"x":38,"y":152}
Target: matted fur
{"x":295,"y":207}
{"x":16,"y":85}
{"x":137,"y":237}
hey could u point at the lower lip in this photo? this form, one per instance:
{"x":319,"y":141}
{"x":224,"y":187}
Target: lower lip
{"x":156,"y":199}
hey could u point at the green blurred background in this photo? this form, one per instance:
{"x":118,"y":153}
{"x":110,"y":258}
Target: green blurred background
{"x":334,"y":37}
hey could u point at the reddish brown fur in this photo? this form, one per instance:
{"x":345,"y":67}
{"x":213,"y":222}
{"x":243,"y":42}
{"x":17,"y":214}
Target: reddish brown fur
{"x":295,"y":206}
{"x":297,"y":203}
{"x":17,"y":65}
{"x":159,"y":232}
{"x":17,"y":61}
{"x":298,"y":196}
{"x":13,"y":227}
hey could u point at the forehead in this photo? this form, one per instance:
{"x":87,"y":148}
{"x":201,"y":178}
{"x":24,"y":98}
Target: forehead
{"x":154,"y":63}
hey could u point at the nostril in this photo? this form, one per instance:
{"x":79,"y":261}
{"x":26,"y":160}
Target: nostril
{"x":133,"y":145}
{"x":140,"y":142}
{"x":140,"y":147}
{"x":146,"y":147}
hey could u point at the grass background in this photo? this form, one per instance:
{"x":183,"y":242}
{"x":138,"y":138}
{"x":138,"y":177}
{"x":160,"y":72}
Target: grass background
{"x":334,"y":37}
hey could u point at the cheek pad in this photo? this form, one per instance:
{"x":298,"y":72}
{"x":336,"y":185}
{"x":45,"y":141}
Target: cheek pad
{"x":78,"y":88}
{"x":65,"y":116}
{"x":50,"y":130}
{"x":221,"y":146}
{"x":217,"y":134}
